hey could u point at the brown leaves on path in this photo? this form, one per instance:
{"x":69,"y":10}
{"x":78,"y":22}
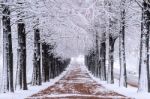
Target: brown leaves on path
{"x":77,"y":84}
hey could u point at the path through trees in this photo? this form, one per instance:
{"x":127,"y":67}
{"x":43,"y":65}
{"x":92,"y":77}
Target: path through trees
{"x":77,"y":84}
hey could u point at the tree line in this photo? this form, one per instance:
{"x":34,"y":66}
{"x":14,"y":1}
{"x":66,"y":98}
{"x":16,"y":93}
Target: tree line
{"x":100,"y":59}
{"x":46,"y":65}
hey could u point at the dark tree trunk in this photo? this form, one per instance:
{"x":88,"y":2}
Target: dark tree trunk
{"x":37,"y":59}
{"x":90,"y":61}
{"x":22,"y":56}
{"x":111,"y":60}
{"x":45,"y":65}
{"x":8,"y":54}
{"x":144,"y":83}
{"x":102,"y":60}
{"x":97,"y":65}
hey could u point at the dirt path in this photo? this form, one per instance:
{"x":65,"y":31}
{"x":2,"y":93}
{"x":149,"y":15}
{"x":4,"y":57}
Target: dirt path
{"x":77,"y":84}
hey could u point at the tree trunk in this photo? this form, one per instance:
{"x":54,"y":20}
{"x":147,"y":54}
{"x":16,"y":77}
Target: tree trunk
{"x":97,"y":65}
{"x":123,"y":75}
{"x":110,"y":78}
{"x":7,"y":54}
{"x":22,"y":56}
{"x":102,"y":60}
{"x":37,"y":59}
{"x":103,"y":57}
{"x":144,"y":83}
{"x":45,"y":65}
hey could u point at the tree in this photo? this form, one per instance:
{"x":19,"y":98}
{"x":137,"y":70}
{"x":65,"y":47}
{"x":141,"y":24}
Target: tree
{"x":97,"y":64}
{"x":144,"y":83}
{"x":21,"y":62}
{"x":123,"y":75}
{"x":46,"y":62}
{"x":103,"y":57}
{"x":37,"y":59}
{"x":111,"y":25}
{"x":7,"y":48}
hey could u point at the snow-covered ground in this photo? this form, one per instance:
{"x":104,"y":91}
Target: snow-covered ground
{"x":130,"y":91}
{"x":21,"y":94}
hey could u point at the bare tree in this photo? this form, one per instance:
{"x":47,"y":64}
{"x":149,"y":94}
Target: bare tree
{"x":37,"y":59}
{"x":144,"y":83}
{"x":21,"y":62}
{"x":123,"y":75}
{"x":7,"y":48}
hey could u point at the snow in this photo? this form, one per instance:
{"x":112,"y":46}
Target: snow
{"x":77,"y":75}
{"x":71,"y":24}
{"x":130,"y":91}
{"x":67,"y":95}
{"x":21,"y":94}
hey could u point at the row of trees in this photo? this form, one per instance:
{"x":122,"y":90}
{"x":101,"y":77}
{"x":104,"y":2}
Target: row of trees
{"x":100,"y":59}
{"x":45,"y":63}
{"x":101,"y":18}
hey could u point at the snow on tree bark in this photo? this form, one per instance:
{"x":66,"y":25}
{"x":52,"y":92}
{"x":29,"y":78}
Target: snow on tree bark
{"x":103,"y":58}
{"x":45,"y":65}
{"x":144,"y":83}
{"x":7,"y":51}
{"x":21,"y":51}
{"x":97,"y":65}
{"x":37,"y":59}
{"x":110,"y":78}
{"x":122,"y":58}
{"x":22,"y":56}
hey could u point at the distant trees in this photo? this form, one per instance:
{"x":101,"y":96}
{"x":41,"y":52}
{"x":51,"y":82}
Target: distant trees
{"x":45,"y":62}
{"x":52,"y":66}
{"x":111,"y":24}
{"x":114,"y":27}
{"x":90,"y":61}
{"x":105,"y":32}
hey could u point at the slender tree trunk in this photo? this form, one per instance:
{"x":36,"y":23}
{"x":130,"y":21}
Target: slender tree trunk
{"x":123,"y":75}
{"x":110,"y":78}
{"x":37,"y":59}
{"x":144,"y":83}
{"x":45,"y":65}
{"x":102,"y":60}
{"x":8,"y":54}
{"x":110,"y":41}
{"x":97,"y":65}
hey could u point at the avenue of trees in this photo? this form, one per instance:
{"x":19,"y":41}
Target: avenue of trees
{"x":46,"y":65}
{"x":100,"y":60}
{"x":104,"y":22}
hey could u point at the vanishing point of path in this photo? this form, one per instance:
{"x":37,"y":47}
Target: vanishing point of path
{"x":77,"y":84}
